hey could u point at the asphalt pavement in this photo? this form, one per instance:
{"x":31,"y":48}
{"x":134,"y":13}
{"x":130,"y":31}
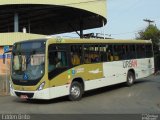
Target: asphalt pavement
{"x":141,"y":98}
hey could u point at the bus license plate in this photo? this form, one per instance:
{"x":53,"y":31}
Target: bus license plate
{"x":24,"y":97}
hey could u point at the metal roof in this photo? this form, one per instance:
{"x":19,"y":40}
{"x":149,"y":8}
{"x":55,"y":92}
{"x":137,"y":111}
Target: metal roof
{"x":11,"y":38}
{"x":52,"y":16}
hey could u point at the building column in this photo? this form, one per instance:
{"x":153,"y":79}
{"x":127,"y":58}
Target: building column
{"x":81,"y":29}
{"x":16,"y":22}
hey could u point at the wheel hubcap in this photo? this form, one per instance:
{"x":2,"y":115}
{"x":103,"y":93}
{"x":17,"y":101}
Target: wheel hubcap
{"x":75,"y":91}
{"x":130,"y":79}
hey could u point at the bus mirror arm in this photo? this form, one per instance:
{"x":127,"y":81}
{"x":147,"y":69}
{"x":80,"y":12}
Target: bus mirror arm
{"x":4,"y":59}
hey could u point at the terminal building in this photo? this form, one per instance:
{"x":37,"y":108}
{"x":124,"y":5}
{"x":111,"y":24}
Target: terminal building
{"x":32,"y":19}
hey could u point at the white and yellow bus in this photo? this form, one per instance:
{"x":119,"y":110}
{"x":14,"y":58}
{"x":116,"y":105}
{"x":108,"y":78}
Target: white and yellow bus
{"x":55,"y":67}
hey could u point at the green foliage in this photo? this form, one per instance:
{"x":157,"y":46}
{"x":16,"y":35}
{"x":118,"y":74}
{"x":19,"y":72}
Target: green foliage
{"x":153,"y":33}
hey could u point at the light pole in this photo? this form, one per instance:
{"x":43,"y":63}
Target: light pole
{"x":148,"y":21}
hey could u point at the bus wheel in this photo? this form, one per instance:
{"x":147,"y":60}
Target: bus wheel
{"x":130,"y":78}
{"x":76,"y":91}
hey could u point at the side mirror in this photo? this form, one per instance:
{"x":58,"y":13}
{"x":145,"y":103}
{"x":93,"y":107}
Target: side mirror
{"x":4,"y":56}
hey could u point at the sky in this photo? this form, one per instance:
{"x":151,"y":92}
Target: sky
{"x":125,"y":18}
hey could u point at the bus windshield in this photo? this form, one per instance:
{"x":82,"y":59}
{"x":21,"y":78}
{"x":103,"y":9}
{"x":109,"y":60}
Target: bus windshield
{"x":28,"y":60}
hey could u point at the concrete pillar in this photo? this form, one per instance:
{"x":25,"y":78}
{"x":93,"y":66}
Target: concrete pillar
{"x":81,"y":29}
{"x":16,"y":23}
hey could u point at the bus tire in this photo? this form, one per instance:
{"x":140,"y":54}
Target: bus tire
{"x":76,"y":91}
{"x":130,"y":79}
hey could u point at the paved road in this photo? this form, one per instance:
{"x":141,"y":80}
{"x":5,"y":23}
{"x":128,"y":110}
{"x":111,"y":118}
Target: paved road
{"x":142,"y":97}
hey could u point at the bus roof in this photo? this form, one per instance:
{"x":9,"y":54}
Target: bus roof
{"x":60,"y":40}
{"x":76,"y":40}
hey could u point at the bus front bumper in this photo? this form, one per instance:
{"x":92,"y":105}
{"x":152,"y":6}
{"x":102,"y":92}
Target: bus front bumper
{"x":42,"y":94}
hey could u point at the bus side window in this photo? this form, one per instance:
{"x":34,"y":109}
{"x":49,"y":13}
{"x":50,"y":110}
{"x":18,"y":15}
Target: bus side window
{"x":132,"y":52}
{"x":128,"y":53}
{"x":116,"y":53}
{"x":103,"y":53}
{"x":121,"y":52}
{"x":110,"y":56}
{"x":57,"y":59}
{"x":86,"y":54}
{"x":94,"y":55}
{"x":109,"y":53}
{"x":75,"y":59}
{"x":76,"y":53}
{"x":140,"y":49}
{"x":87,"y":59}
{"x":91,"y":54}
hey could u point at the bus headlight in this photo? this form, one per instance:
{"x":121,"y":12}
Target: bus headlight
{"x":41,"y":86}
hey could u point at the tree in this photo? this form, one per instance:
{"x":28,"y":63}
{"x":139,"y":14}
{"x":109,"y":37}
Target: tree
{"x":153,"y":33}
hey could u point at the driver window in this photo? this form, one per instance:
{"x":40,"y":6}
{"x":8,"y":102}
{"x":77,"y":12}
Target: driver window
{"x":57,"y":59}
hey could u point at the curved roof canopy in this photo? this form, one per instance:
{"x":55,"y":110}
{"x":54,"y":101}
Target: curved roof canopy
{"x":52,"y":16}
